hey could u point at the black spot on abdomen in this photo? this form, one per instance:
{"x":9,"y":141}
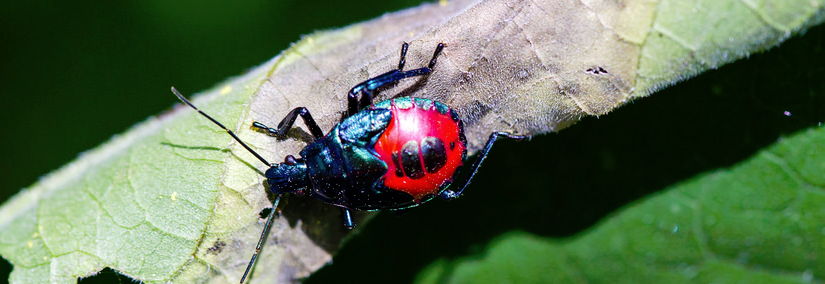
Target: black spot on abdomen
{"x":434,"y":154}
{"x":411,"y":161}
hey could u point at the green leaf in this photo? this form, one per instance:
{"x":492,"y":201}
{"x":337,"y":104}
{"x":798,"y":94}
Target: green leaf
{"x":136,"y":204}
{"x":757,"y":222}
{"x":688,"y":37}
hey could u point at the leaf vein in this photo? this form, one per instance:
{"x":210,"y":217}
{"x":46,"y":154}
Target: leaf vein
{"x":764,"y":17}
{"x":670,"y":34}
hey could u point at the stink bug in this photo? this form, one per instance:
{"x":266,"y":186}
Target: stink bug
{"x":392,"y":155}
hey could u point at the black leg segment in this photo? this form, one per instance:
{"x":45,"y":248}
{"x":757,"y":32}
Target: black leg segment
{"x":348,"y":218}
{"x":288,"y":121}
{"x":403,"y":59}
{"x":367,"y":88}
{"x":449,"y":194}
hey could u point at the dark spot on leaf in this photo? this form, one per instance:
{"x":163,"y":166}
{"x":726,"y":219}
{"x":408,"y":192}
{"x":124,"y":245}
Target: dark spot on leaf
{"x":217,"y":247}
{"x":597,"y":70}
{"x":264,"y":213}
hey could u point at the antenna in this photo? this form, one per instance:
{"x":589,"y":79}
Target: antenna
{"x":267,"y":226}
{"x":183,"y":99}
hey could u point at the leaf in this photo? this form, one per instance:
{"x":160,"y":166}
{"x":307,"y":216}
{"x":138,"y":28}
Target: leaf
{"x":757,"y":222}
{"x":174,"y":199}
{"x":560,"y":185}
{"x":130,"y":204}
{"x":534,"y":69}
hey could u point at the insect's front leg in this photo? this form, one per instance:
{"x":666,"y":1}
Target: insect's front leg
{"x":288,"y":121}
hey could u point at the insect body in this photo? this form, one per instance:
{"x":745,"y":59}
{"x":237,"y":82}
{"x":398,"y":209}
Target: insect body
{"x":391,"y":155}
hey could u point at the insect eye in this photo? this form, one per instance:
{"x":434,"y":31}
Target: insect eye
{"x":290,"y":160}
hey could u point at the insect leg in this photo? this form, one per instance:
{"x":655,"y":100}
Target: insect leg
{"x":289,"y":120}
{"x":403,"y":56}
{"x":449,"y":194}
{"x":368,"y":87}
{"x":348,"y":218}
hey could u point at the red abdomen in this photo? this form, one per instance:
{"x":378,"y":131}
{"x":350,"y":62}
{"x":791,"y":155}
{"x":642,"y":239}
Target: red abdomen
{"x":423,"y":146}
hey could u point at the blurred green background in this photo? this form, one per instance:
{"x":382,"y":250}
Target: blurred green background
{"x":75,"y":73}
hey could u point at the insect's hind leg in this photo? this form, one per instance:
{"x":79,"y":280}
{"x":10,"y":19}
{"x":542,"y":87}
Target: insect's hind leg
{"x":367,"y":88}
{"x":449,"y":194}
